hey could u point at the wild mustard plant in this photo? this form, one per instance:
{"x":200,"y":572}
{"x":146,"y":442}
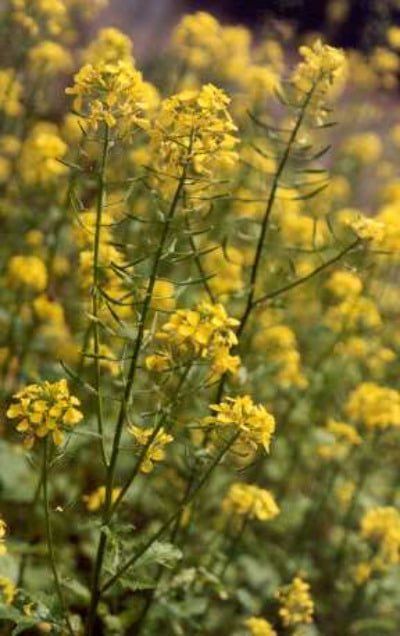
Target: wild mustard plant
{"x":199,"y":350}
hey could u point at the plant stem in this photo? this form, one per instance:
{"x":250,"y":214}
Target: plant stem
{"x":95,"y":299}
{"x":49,"y":538}
{"x":186,"y":501}
{"x":95,"y":593}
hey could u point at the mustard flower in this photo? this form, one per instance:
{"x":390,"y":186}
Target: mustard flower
{"x":27,"y":272}
{"x":110,"y":45}
{"x":381,"y":525}
{"x":114,"y":94}
{"x":44,"y":409}
{"x":365,"y":147}
{"x":253,"y":423}
{"x":368,"y":229}
{"x":259,"y":627}
{"x":49,"y":58}
{"x":343,"y":284}
{"x":296,"y":604}
{"x":7,"y":590}
{"x":156,"y":450}
{"x":205,"y":332}
{"x":10,"y":93}
{"x":194,"y":128}
{"x":3,"y":532}
{"x":39,"y":163}
{"x":376,"y":407}
{"x":323,"y":68}
{"x":96,"y":499}
{"x":246,"y":500}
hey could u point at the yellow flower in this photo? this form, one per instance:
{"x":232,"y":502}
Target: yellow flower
{"x":206,"y":332}
{"x":156,"y":450}
{"x":194,"y":128}
{"x":374,"y":406}
{"x":10,"y":93}
{"x":7,"y":590}
{"x":366,"y":147}
{"x":322,"y":69}
{"x":250,"y":501}
{"x":344,"y":432}
{"x":343,"y":284}
{"x":158,"y":362}
{"x":382,"y":526}
{"x":393,"y":36}
{"x":96,"y":499}
{"x":27,"y":271}
{"x":114,"y":94}
{"x":109,"y":46}
{"x":297,"y":606}
{"x":259,"y":627}
{"x":3,"y":532}
{"x":44,"y":409}
{"x":39,"y":163}
{"x":49,"y":58}
{"x":49,"y":311}
{"x":253,"y":423}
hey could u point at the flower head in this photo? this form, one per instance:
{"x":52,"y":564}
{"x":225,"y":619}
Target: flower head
{"x":156,"y":446}
{"x":194,"y":129}
{"x":3,"y":532}
{"x":259,"y":627}
{"x":44,"y":409}
{"x":111,"y":93}
{"x":96,"y":499}
{"x":382,"y":526}
{"x":7,"y":590}
{"x":374,"y":406}
{"x":249,"y":501}
{"x":252,"y":422}
{"x":297,"y":606}
{"x":27,"y":272}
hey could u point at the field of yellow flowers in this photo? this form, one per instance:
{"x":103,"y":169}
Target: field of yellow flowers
{"x":200,"y":333}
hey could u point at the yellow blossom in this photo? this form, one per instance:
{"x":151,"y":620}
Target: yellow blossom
{"x":374,"y":406}
{"x":96,"y":499}
{"x":382,"y":526}
{"x":296,"y":604}
{"x":44,"y":409}
{"x":110,"y":45}
{"x":27,"y":271}
{"x":250,"y":501}
{"x":10,"y":93}
{"x":259,"y":627}
{"x":49,"y":58}
{"x":7,"y":590}
{"x":156,"y":447}
{"x":253,"y":424}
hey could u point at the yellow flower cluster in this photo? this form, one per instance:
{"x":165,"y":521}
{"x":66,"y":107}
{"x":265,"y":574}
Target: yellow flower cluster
{"x":7,"y":590}
{"x":156,"y":449}
{"x":204,"y":332}
{"x":253,"y":424}
{"x":27,"y":272}
{"x":374,"y":406}
{"x":382,"y":526}
{"x":10,"y":93}
{"x":368,"y":229}
{"x":39,"y":163}
{"x":109,"y":46}
{"x":344,"y":437}
{"x":343,"y":284}
{"x":113,"y":94}
{"x":3,"y":532}
{"x":49,"y":58}
{"x":96,"y":499}
{"x":259,"y":627}
{"x":43,"y":409}
{"x":365,"y":147}
{"x":353,"y":313}
{"x":199,"y":40}
{"x":38,"y":16}
{"x":194,"y":129}
{"x":323,"y":68}
{"x":279,"y":344}
{"x":252,"y":502}
{"x":297,"y":606}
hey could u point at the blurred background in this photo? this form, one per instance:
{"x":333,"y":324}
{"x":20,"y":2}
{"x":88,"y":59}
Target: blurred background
{"x":350,"y":23}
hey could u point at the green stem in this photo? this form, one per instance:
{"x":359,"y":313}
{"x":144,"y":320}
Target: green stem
{"x":49,"y":538}
{"x":186,"y":501}
{"x":95,"y":299}
{"x":95,"y":593}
